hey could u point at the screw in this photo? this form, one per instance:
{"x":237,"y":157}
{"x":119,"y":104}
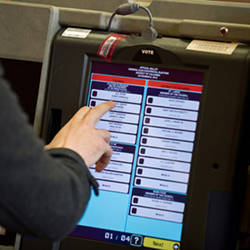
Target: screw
{"x":223,"y":31}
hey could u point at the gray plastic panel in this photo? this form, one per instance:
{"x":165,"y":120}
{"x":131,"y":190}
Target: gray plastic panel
{"x":182,"y":18}
{"x":24,"y":29}
{"x":105,"y":5}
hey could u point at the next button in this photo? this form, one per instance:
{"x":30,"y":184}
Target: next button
{"x":160,"y":244}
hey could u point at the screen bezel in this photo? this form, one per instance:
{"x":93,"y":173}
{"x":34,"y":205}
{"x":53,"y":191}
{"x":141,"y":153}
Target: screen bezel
{"x":214,"y":182}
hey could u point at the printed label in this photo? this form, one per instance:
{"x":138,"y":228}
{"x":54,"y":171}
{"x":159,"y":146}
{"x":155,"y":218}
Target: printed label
{"x":107,"y":47}
{"x":213,"y":47}
{"x":76,"y":33}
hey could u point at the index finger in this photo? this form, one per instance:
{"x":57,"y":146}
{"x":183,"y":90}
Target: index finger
{"x":94,"y":115}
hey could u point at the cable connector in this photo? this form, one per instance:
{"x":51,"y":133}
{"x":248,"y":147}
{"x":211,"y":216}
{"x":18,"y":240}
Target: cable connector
{"x":127,"y":8}
{"x":130,"y":8}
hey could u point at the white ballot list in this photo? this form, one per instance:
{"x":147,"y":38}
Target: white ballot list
{"x":152,"y":130}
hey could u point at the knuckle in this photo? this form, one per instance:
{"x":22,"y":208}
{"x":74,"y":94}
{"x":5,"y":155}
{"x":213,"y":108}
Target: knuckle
{"x":108,"y":134}
{"x":84,"y":109}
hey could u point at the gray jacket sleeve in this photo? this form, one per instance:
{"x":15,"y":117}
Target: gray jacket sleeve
{"x":42,"y":192}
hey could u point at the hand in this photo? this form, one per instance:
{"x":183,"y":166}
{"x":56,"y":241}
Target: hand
{"x":81,"y":136}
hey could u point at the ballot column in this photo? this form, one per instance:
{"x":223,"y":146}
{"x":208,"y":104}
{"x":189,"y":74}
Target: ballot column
{"x":165,"y":151}
{"x":122,"y":122}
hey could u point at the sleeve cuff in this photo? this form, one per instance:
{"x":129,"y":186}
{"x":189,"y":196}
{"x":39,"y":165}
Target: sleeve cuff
{"x":72,"y":155}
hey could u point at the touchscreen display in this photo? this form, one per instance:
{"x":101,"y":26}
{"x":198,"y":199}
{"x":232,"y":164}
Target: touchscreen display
{"x":143,"y":190}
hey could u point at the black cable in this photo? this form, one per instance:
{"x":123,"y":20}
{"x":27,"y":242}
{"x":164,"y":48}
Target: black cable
{"x":124,"y":9}
{"x":130,"y":8}
{"x":110,"y":21}
{"x":149,"y":14}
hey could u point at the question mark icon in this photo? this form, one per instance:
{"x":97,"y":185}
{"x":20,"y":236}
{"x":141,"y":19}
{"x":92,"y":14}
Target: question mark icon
{"x":136,"y":240}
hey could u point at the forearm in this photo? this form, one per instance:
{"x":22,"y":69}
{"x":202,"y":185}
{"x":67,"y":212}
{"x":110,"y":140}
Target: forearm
{"x":41,"y":192}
